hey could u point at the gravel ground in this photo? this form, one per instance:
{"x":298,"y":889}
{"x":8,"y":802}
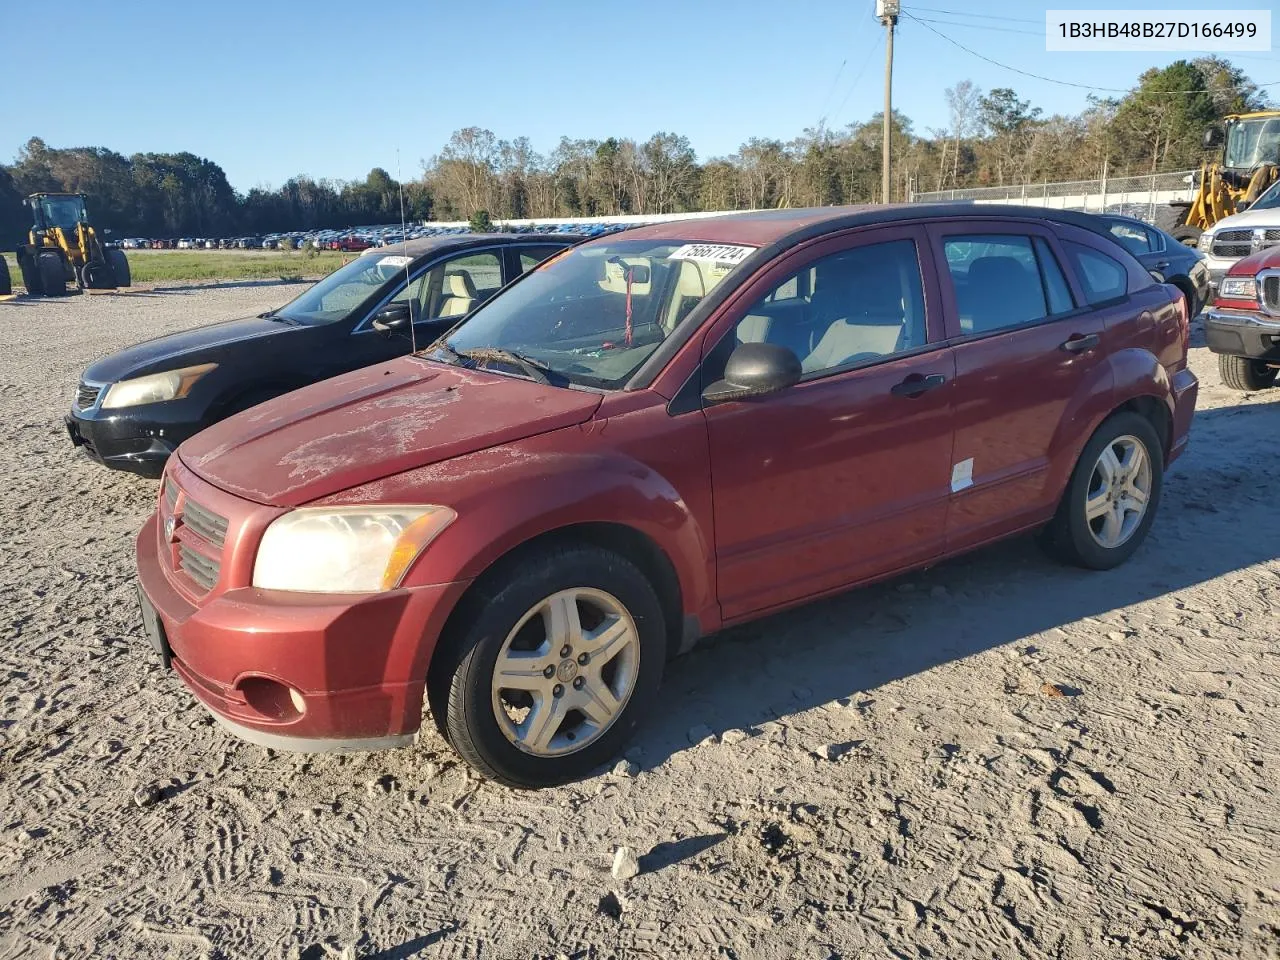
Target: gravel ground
{"x":999,"y":757}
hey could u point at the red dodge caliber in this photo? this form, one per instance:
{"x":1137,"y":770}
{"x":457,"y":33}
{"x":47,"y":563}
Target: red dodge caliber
{"x":652,"y":436}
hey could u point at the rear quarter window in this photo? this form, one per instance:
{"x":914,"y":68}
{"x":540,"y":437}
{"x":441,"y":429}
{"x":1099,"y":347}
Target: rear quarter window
{"x":1102,"y":277}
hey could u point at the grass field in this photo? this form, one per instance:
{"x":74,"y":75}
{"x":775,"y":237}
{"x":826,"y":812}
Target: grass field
{"x":152,"y":266}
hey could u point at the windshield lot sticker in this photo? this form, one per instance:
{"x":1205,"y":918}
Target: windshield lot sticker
{"x":713,"y":253}
{"x":395,"y":261}
{"x":962,"y":475}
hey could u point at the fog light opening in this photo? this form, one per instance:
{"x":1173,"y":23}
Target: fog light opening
{"x":272,"y":699}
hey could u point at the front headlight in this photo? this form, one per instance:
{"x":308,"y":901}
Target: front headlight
{"x":155,"y":387}
{"x":1238,"y":288}
{"x":1206,"y":241}
{"x":345,"y":549}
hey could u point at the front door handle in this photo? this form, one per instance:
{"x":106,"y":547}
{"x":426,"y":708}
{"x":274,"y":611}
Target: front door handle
{"x":1079,"y":343}
{"x":1162,"y":264}
{"x":917,"y":384}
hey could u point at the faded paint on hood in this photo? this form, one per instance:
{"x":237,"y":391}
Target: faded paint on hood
{"x":372,"y":424}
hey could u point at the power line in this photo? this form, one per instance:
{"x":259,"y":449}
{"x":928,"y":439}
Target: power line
{"x":875,"y":45}
{"x":978,"y":26}
{"x":831,"y":90}
{"x":981,"y":16}
{"x":1036,"y":76}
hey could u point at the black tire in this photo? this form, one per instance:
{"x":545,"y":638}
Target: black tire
{"x":1187,"y":235}
{"x":1168,"y":218}
{"x":6,"y":285}
{"x":1246,"y":373}
{"x":30,"y":276}
{"x":1069,"y":536}
{"x":119,"y":265}
{"x":53,"y":274}
{"x":460,"y":685}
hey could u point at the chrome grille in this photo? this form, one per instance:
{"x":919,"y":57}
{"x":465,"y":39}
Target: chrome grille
{"x":86,"y":396}
{"x":205,"y":523}
{"x":1271,"y":294}
{"x":198,"y":567}
{"x":1232,"y":249}
{"x":170,"y":493}
{"x":1234,"y":236}
{"x":1272,"y":235}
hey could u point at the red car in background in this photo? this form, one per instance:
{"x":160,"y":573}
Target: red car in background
{"x":649,"y":437}
{"x":350,"y":244}
{"x":1243,"y":325}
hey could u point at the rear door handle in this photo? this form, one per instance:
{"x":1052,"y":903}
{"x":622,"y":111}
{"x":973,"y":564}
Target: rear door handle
{"x":1080,"y":343}
{"x":917,"y":384}
{"x":1162,"y":264}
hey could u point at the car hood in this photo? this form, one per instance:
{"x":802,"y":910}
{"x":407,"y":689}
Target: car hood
{"x":1267,"y":217}
{"x":371,"y":424}
{"x":199,"y":345}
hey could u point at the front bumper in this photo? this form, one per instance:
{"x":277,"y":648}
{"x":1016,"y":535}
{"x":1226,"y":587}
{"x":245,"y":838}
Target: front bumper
{"x":123,"y":443}
{"x":295,"y":671}
{"x":1242,"y":334}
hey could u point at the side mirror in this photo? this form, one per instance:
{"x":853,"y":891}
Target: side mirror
{"x":753,"y":370}
{"x":1212,"y":137}
{"x":393,"y":318}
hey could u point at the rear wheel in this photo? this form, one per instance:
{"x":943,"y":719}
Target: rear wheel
{"x":119,"y":265}
{"x":1112,"y":496}
{"x":554,"y":665}
{"x":53,"y":274}
{"x":1246,"y":373}
{"x":6,"y":285}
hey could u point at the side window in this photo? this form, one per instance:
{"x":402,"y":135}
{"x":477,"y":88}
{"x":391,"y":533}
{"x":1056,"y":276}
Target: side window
{"x":1001,"y":283}
{"x":465,"y":283}
{"x":1132,"y":237}
{"x":530,"y":257}
{"x":1102,"y":277}
{"x":851,"y":307}
{"x":1055,"y":281}
{"x":416,"y":292}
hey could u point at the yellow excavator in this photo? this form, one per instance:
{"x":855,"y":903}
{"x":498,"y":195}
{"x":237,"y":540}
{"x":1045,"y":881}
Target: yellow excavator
{"x":63,"y":247}
{"x":1250,"y":163}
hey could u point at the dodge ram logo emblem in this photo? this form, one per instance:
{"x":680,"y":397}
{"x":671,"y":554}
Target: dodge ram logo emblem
{"x":170,"y":524}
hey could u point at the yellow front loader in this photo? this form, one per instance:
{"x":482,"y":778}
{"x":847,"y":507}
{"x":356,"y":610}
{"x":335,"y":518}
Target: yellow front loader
{"x":1250,"y":163}
{"x":63,"y":247}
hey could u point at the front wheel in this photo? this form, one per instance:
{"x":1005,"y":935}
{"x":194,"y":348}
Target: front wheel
{"x":119,"y":265}
{"x":1187,"y":235}
{"x":6,"y":285}
{"x":553,"y":666}
{"x":1245,"y":373}
{"x":53,"y":274}
{"x":1112,"y":496}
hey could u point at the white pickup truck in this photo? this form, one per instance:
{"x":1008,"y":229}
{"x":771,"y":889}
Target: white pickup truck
{"x":1241,"y":234}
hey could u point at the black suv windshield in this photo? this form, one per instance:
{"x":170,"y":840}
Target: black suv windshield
{"x":334,"y":297}
{"x":594,"y":314}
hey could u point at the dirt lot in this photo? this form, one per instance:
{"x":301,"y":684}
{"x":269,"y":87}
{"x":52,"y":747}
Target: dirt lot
{"x":879,"y":775}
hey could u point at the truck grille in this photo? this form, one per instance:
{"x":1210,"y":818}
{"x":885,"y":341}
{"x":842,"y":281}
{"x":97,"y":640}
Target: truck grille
{"x":1271,"y":294}
{"x":86,"y":396}
{"x":205,"y":523}
{"x":170,"y":493}
{"x":1241,"y":243}
{"x":199,"y":567}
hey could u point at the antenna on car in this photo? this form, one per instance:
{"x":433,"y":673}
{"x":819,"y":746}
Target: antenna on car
{"x":404,"y":243}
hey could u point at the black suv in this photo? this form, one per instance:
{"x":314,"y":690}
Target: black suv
{"x":133,"y":408}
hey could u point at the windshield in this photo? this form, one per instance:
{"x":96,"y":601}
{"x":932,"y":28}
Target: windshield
{"x":1268,"y":198}
{"x":594,"y":314}
{"x":334,"y":297}
{"x":63,"y":212}
{"x":1251,"y":142}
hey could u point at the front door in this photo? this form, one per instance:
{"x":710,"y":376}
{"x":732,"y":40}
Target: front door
{"x":1026,"y":347}
{"x":844,"y":476}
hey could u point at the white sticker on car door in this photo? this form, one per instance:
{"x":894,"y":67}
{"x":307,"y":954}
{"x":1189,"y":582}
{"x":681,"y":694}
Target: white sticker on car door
{"x":962,"y":475}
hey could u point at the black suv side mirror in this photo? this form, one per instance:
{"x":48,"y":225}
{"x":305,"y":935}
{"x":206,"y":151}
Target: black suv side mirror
{"x":393,"y":318}
{"x":753,"y":370}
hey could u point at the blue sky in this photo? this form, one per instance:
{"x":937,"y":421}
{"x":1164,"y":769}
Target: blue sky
{"x":270,"y":89}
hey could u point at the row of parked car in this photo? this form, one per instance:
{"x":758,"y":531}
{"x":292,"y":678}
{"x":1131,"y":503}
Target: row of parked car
{"x":354,"y":240}
{"x":508,"y":476}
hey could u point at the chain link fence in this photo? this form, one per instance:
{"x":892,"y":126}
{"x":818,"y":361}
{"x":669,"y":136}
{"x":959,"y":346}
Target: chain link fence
{"x":1140,"y":196}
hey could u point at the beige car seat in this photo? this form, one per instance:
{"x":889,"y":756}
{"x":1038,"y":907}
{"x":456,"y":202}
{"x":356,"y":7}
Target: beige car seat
{"x":461,"y":293}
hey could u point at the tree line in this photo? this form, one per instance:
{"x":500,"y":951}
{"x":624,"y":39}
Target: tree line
{"x":991,"y":138}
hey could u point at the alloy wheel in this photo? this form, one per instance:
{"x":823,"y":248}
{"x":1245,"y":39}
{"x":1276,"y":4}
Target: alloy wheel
{"x":1119,"y":492}
{"x":565,"y":672}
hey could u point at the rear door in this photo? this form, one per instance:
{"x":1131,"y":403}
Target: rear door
{"x":1026,"y":348}
{"x":843,"y":476}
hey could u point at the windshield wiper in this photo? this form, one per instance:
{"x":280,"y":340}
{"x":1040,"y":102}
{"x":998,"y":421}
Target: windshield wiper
{"x":532,"y":368}
{"x":278,"y":318}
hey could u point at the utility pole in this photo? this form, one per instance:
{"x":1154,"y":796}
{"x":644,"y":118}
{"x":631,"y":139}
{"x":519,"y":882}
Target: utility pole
{"x":887,"y":13}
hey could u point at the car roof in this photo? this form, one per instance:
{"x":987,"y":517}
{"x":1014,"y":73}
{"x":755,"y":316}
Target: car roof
{"x":764,"y":227}
{"x":431,"y":246}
